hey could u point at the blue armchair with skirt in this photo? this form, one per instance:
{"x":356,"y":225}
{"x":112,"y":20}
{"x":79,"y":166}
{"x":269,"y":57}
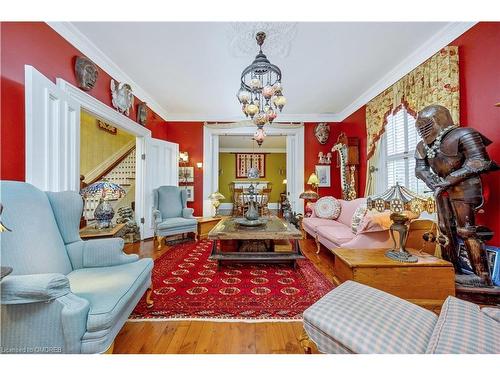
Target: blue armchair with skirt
{"x":64,"y":295}
{"x":171,"y":215}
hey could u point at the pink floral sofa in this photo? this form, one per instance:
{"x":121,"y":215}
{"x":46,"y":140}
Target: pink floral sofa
{"x":372,"y":231}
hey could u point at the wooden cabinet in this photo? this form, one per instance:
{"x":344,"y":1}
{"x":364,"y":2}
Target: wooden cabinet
{"x":426,"y":283}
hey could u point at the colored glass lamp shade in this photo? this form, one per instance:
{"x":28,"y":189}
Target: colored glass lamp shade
{"x":215,"y":198}
{"x":404,"y":206}
{"x":104,"y":212}
{"x":308,"y":196}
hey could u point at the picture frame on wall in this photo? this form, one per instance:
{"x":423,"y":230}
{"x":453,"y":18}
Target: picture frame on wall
{"x":186,"y":174}
{"x":323,"y":173}
{"x":189,"y":193}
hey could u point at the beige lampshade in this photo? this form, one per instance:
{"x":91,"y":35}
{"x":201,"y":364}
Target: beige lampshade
{"x":216,"y":196}
{"x":313,"y":179}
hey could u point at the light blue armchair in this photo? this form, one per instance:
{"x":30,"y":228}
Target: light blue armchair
{"x":64,"y":295}
{"x":171,"y":215}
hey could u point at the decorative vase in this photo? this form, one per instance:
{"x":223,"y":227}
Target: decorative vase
{"x":103,"y":214}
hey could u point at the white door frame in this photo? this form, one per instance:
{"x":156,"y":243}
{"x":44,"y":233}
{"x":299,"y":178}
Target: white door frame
{"x":295,"y":157}
{"x":97,"y":108}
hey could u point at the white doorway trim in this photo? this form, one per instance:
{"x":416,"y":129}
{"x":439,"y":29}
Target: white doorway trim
{"x":142,"y":134}
{"x":295,"y":157}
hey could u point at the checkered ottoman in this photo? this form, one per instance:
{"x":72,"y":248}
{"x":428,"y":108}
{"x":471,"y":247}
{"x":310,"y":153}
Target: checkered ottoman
{"x":355,"y":318}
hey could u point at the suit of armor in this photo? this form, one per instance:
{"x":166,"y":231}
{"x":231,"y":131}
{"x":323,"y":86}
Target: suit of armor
{"x":449,"y":160}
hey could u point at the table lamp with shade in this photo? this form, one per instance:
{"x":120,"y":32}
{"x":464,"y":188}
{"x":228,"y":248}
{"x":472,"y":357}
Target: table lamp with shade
{"x":404,"y":206}
{"x":215,"y":198}
{"x":105,"y":190}
{"x":310,"y":195}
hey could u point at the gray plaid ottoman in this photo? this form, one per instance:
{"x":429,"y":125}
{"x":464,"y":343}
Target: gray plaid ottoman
{"x":355,"y":318}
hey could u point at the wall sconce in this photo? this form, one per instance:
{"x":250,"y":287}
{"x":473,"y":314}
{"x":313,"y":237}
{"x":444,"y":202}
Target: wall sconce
{"x":199,"y":165}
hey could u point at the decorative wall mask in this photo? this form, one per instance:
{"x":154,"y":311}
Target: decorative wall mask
{"x":122,"y":97}
{"x":86,"y":73}
{"x":322,"y":132}
{"x":142,"y":113}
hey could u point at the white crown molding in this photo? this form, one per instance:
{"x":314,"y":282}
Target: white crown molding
{"x":441,"y":39}
{"x":74,"y":36}
{"x":282,"y":117}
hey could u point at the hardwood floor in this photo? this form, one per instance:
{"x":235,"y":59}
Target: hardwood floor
{"x":202,"y":337}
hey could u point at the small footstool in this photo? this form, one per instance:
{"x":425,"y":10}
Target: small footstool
{"x":355,"y":318}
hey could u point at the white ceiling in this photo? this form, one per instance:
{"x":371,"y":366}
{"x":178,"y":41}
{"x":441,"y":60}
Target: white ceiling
{"x":192,"y":70}
{"x":231,"y":143}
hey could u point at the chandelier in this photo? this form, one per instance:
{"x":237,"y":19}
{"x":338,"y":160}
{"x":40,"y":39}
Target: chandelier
{"x":260,"y":92}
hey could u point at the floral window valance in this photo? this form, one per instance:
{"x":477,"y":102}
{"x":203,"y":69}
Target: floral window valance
{"x":433,"y":82}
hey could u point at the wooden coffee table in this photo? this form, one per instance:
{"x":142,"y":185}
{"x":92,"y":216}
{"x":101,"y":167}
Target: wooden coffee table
{"x":257,"y":241}
{"x":426,"y":283}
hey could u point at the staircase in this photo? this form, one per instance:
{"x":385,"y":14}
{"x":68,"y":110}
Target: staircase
{"x":122,"y":172}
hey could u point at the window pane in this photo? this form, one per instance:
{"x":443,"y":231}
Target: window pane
{"x":415,"y":185}
{"x":395,"y":133}
{"x":396,"y":172}
{"x":413,"y":137}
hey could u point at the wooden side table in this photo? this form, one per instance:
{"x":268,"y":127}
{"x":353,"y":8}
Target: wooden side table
{"x":90,"y":232}
{"x":205,"y":225}
{"x":426,"y":283}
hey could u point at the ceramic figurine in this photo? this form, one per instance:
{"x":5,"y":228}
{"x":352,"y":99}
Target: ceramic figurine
{"x":142,"y":113}
{"x":122,"y":97}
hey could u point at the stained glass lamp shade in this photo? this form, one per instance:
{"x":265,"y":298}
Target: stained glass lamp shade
{"x":105,"y":190}
{"x":402,"y":203}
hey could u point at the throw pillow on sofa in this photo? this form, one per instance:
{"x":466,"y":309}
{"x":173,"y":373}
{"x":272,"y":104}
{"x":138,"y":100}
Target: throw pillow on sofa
{"x":327,"y":208}
{"x":357,"y":217}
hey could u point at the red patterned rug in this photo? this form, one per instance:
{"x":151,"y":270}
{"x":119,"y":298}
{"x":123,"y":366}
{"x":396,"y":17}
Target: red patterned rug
{"x":187,"y":285}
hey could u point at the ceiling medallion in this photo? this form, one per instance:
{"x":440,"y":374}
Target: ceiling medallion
{"x":260,"y":92}
{"x":279,"y":38}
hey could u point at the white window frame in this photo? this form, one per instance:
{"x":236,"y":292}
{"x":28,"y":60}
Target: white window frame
{"x":384,"y":159}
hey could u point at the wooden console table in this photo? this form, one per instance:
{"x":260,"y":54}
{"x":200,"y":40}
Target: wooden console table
{"x":426,"y":283}
{"x":255,"y":244}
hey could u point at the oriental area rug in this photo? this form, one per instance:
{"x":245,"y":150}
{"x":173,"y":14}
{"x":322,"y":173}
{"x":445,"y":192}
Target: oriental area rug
{"x":188,"y":285}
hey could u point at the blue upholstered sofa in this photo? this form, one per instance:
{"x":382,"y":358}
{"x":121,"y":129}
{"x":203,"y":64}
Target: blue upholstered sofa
{"x":171,"y":214}
{"x":64,"y":295}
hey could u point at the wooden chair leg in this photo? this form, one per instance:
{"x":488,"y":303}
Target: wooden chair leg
{"x":159,"y":239}
{"x":149,"y":300}
{"x":306,"y":342}
{"x":110,"y":349}
{"x":318,"y":244}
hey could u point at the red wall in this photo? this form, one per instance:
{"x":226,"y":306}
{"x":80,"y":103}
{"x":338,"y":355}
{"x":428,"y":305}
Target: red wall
{"x":36,"y":44}
{"x":479,"y":53}
{"x":352,"y":126}
{"x":189,"y":136}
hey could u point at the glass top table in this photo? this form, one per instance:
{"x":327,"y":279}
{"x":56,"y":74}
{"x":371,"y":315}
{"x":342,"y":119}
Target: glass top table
{"x":255,"y":244}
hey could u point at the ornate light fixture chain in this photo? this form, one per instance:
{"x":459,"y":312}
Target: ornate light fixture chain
{"x":261,"y":93}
